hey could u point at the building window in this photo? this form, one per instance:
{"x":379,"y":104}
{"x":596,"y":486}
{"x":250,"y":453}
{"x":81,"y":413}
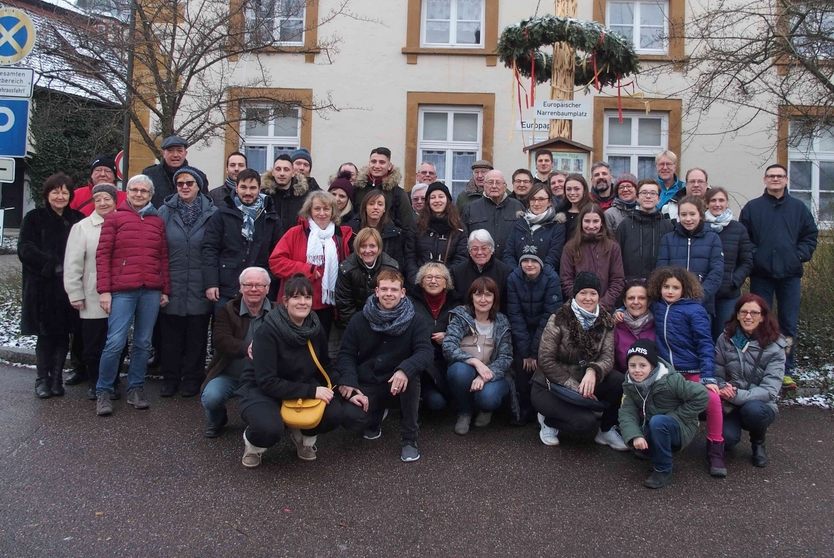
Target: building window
{"x":268,"y":132}
{"x":655,"y":27}
{"x":280,"y":22}
{"x":644,"y":23}
{"x":631,"y":145}
{"x":450,"y":138}
{"x":811,"y":168}
{"x":811,"y":29}
{"x":452,"y":23}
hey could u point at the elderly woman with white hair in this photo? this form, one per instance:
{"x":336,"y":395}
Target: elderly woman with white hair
{"x":418,"y":197}
{"x":133,"y":283}
{"x":480,"y":263}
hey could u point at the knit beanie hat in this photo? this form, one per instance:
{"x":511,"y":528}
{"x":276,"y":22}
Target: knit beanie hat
{"x":625,"y":177}
{"x":435,"y":186}
{"x":301,"y":153}
{"x":644,"y":348}
{"x":191,"y":171}
{"x":342,"y":183}
{"x":586,"y":280}
{"x":106,"y":188}
{"x":104,"y":161}
{"x":530,"y":253}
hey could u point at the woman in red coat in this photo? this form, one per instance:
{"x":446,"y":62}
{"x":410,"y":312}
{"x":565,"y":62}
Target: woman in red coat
{"x":314,"y":248}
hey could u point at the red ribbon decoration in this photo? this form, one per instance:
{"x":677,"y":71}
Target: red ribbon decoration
{"x":532,"y":79}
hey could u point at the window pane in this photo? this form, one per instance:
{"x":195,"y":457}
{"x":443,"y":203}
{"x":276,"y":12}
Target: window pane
{"x":256,"y":157}
{"x":293,"y":8}
{"x":462,"y":162}
{"x":435,"y":126}
{"x":798,"y":138}
{"x":437,"y":32}
{"x":627,"y":31}
{"x":826,"y":208}
{"x":469,"y":9}
{"x":826,"y":141}
{"x":648,"y":131}
{"x":620,"y":13}
{"x":465,"y":127}
{"x":283,"y":149}
{"x":800,"y":175}
{"x":619,"y":165}
{"x":256,"y":121}
{"x":652,"y":38}
{"x":619,"y":134}
{"x":826,"y":177}
{"x":805,"y":197}
{"x":468,"y":33}
{"x":292,"y":31}
{"x":286,"y":126}
{"x":646,"y":168}
{"x":439,"y":9}
{"x":652,"y":14}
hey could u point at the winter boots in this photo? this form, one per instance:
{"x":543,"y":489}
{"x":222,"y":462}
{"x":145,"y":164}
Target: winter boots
{"x":715,"y":456}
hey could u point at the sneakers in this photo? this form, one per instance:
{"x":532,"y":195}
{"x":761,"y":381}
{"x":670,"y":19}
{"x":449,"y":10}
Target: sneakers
{"x":373,"y":433}
{"x":251,"y":454}
{"x":305,"y":446}
{"x":136,"y":398}
{"x":462,"y":424}
{"x":547,"y":434}
{"x":104,"y":406}
{"x":410,"y":452}
{"x":658,"y":479}
{"x":483,"y":419}
{"x":611,"y":439}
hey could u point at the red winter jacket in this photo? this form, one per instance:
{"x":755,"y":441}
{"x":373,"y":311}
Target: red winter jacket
{"x":132,"y":252}
{"x":290,"y":257}
{"x":82,"y":199}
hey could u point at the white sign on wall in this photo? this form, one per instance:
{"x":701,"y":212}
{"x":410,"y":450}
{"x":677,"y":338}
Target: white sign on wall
{"x":552,"y":109}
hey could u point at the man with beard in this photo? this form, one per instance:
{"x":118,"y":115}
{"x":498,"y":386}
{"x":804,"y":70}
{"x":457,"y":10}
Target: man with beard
{"x":288,"y":189}
{"x":235,"y":163}
{"x":602,"y":187}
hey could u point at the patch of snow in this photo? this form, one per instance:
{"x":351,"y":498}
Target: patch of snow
{"x":10,"y":327}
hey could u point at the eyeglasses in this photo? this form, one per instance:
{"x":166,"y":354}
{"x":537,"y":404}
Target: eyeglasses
{"x":522,"y":181}
{"x":666,"y":164}
{"x":648,"y":194}
{"x":186,"y":183}
{"x":431,"y":278}
{"x":628,"y":185}
{"x":142,"y":191}
{"x":775,"y":176}
{"x":751,"y":313}
{"x":539,"y":200}
{"x":494,"y":182}
{"x":427,"y":172}
{"x":480,"y":249}
{"x":698,"y":181}
{"x":253,"y":285}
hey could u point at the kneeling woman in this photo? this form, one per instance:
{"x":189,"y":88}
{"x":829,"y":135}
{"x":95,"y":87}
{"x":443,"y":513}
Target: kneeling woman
{"x":575,"y":378}
{"x":283,"y":367}
{"x":479,"y":350}
{"x":750,"y":357}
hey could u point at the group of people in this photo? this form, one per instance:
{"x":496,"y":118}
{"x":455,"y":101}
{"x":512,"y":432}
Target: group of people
{"x":611,"y":311}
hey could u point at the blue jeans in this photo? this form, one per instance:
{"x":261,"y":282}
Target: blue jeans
{"x":723,"y":312}
{"x":460,"y":375}
{"x":753,"y":416}
{"x":664,"y":437}
{"x":139,"y":307}
{"x":219,"y":390}
{"x":787,"y":292}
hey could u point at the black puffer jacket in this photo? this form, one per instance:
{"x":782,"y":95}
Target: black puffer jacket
{"x":639,"y":236}
{"x":356,"y":283}
{"x":162,"y":177}
{"x":436,"y":244}
{"x":549,"y":240}
{"x":738,"y":259}
{"x":395,"y":241}
{"x":287,"y":203}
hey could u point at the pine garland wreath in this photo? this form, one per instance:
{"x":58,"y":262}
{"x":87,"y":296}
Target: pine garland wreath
{"x":602,"y":57}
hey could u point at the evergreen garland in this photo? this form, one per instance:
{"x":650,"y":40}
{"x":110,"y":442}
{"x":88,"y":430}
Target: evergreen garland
{"x":614,"y":55}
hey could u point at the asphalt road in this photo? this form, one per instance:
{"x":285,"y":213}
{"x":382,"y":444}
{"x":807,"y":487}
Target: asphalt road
{"x":146,"y":483}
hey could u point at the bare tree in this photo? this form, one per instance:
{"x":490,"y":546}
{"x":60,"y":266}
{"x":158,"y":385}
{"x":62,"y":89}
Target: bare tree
{"x":177,"y":60}
{"x":758,"y":57}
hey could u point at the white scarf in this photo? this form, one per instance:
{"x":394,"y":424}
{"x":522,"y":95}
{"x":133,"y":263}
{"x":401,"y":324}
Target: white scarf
{"x":321,"y":251}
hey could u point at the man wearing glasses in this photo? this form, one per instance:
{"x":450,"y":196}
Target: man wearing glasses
{"x":426,"y":173}
{"x":640,"y":232}
{"x":624,"y":203}
{"x":232,"y":335}
{"x":667,"y":164}
{"x":522,"y":184}
{"x":494,"y":212}
{"x":784,"y":234}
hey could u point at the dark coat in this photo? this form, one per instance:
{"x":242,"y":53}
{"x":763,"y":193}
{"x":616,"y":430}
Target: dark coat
{"x":369,"y":357}
{"x":132,"y":252}
{"x":356,"y":283}
{"x":549,"y":240}
{"x":226,"y":253}
{"x":397,"y":201}
{"x":448,"y":248}
{"x":434,"y":325}
{"x":162,"y":177}
{"x":395,"y":242}
{"x":783,"y":232}
{"x":287,"y":203}
{"x":738,"y":259}
{"x":185,"y":260}
{"x":496,"y":218}
{"x":464,"y":273}
{"x":43,"y":240}
{"x":228,"y":337}
{"x":699,"y":253}
{"x":529,"y":305}
{"x":683,"y":336}
{"x":639,"y":237}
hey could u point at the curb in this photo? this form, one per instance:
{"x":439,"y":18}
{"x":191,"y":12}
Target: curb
{"x":18,"y":355}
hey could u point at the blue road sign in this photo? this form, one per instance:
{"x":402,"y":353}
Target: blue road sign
{"x":14,"y":123}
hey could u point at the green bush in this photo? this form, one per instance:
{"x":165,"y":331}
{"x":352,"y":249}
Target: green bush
{"x":815,"y":345}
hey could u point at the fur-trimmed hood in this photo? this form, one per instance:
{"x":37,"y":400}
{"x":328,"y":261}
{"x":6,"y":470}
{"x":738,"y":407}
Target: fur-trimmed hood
{"x":388,"y":183}
{"x":298,"y":185}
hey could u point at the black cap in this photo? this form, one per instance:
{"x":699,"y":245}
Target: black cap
{"x":644,"y":348}
{"x":435,"y":186}
{"x":104,"y":161}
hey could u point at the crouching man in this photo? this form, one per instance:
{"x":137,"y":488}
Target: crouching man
{"x":383,"y":352}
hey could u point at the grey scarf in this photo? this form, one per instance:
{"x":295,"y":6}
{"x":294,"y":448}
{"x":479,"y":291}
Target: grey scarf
{"x":636,"y":325}
{"x":646,"y":385}
{"x":291,"y":333}
{"x":717,"y":223}
{"x":250,"y":215}
{"x":586,"y":319}
{"x":390,"y":322}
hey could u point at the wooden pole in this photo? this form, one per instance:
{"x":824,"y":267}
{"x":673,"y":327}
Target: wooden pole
{"x":561,"y":81}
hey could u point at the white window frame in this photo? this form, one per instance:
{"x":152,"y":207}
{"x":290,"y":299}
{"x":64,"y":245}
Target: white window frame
{"x":635,"y":151}
{"x":452,"y":27}
{"x":277,"y":21}
{"x":635,"y":24}
{"x":814,"y":155}
{"x":450,"y":146}
{"x":275,"y":145}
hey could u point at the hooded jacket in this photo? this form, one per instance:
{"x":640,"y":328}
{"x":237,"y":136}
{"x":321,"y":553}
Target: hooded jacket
{"x":549,"y":240}
{"x":683,"y":336}
{"x":287,"y":202}
{"x":356,"y":283}
{"x":462,"y":323}
{"x":607,"y":266}
{"x":639,"y":237}
{"x":615,"y":214}
{"x":397,"y":201}
{"x":700,"y":253}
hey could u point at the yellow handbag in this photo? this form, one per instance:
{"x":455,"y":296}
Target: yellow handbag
{"x":305,"y":413}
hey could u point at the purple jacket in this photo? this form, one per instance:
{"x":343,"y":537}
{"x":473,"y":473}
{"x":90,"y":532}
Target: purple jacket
{"x":624,"y":338}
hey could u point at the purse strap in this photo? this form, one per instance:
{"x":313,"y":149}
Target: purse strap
{"x":318,"y":364}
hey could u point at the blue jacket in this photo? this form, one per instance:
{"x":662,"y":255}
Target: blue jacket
{"x":783,"y":232}
{"x":699,"y":253}
{"x":461,"y":324}
{"x":529,"y":305}
{"x":683,"y":337}
{"x":549,"y":240}
{"x":738,"y":258}
{"x":185,"y":259}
